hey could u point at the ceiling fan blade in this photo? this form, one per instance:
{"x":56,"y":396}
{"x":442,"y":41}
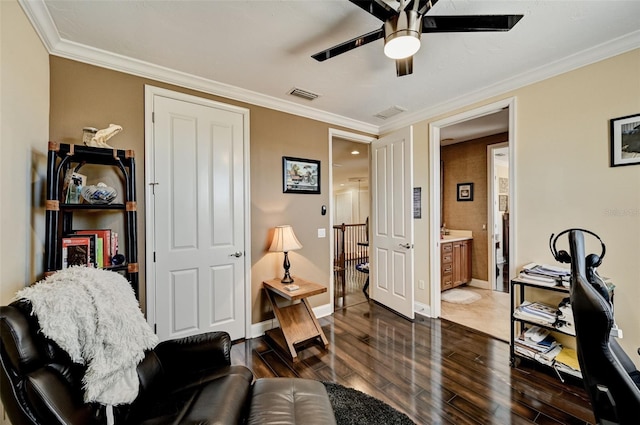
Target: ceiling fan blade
{"x":426,"y":5}
{"x":470,"y":23}
{"x":349,"y":45}
{"x":377,"y":8}
{"x":404,"y":66}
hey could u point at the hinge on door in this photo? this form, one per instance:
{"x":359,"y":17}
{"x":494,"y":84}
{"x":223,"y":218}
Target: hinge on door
{"x":155,"y":328}
{"x":153,"y":117}
{"x":154,"y":256}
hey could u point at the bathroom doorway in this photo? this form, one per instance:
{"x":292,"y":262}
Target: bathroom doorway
{"x":459,"y":157}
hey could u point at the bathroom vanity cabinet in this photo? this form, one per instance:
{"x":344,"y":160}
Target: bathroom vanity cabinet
{"x":455,"y":267}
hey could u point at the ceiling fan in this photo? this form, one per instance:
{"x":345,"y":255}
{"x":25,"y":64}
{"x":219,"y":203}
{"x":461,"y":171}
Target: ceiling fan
{"x":403,"y":26}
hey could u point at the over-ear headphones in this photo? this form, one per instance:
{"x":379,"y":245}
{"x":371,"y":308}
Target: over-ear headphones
{"x":563,"y":256}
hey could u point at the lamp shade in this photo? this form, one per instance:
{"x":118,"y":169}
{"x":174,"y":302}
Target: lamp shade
{"x":284,"y":239}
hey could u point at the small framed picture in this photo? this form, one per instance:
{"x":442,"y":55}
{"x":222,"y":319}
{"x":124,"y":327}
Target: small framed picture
{"x":625,"y":140}
{"x":300,"y":175}
{"x":503,"y":202}
{"x":503,"y":185}
{"x":465,"y":192}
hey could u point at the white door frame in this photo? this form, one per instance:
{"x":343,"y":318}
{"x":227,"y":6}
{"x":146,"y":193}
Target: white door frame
{"x":353,"y":137}
{"x":491,"y":211}
{"x":150,"y":287}
{"x":434,"y":198}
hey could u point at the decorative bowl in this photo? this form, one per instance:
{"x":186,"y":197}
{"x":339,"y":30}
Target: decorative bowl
{"x":99,"y":194}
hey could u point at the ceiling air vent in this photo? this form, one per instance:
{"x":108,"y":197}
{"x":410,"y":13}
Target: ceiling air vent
{"x":305,"y":94}
{"x":391,"y":112}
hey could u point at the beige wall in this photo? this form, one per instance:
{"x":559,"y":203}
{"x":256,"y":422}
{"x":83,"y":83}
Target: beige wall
{"x":24,"y":121}
{"x":563,"y":178}
{"x":85,"y":95}
{"x":463,"y":163}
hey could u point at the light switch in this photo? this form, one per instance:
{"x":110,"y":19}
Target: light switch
{"x":322,"y":233}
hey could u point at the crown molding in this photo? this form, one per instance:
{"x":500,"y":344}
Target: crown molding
{"x":586,"y":57}
{"x":104,"y":59}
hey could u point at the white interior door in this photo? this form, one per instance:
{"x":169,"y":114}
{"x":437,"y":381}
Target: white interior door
{"x":198,"y":204}
{"x":392,"y":229}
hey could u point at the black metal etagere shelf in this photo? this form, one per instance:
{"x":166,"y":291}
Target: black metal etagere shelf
{"x":59,"y":216}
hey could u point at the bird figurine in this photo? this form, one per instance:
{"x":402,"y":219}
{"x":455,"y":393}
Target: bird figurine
{"x":99,"y":140}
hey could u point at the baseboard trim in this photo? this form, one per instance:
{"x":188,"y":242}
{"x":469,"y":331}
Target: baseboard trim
{"x":482,"y":284}
{"x":258,"y":329}
{"x":422,"y":309}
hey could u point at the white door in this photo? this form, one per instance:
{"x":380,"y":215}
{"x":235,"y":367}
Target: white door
{"x":392,"y":229}
{"x":198,"y":160}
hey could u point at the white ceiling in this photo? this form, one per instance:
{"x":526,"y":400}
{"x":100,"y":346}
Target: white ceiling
{"x":257,"y":51}
{"x":350,"y":171}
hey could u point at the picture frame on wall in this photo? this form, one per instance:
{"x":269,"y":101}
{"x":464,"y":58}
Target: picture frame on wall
{"x":465,"y":192}
{"x":503,"y":203}
{"x":300,"y":175}
{"x":503,"y":185}
{"x":625,"y":140}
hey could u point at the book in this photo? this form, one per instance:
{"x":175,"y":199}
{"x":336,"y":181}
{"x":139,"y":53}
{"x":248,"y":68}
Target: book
{"x":114,"y":243}
{"x":104,"y":244}
{"x":99,"y":253}
{"x":92,"y":246}
{"x":75,"y":251}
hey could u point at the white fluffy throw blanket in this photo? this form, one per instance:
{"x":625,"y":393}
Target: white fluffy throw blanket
{"x":94,"y":316}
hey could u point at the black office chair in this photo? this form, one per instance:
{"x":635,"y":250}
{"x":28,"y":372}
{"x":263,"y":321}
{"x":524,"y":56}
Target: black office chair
{"x":610,"y":377}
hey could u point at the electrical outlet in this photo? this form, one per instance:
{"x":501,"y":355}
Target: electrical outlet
{"x":322,"y":233}
{"x":421,"y":284}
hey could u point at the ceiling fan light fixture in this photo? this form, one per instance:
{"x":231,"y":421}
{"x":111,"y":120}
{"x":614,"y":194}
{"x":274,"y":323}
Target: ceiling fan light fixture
{"x":402,"y":35}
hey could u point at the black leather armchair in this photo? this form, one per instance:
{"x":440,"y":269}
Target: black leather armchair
{"x":183,"y":381}
{"x":610,"y":376}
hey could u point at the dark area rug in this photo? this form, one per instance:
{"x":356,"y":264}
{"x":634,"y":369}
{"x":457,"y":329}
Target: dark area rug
{"x":353,"y":407}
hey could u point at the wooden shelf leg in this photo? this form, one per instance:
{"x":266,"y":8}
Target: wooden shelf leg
{"x":288,"y":338}
{"x":325,"y":342}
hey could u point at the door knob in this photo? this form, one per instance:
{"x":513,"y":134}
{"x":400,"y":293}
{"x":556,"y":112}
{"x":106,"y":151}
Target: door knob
{"x":236,"y":254}
{"x":406,"y":245}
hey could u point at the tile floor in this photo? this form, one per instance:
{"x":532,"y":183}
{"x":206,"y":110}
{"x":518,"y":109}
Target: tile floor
{"x":490,"y":314}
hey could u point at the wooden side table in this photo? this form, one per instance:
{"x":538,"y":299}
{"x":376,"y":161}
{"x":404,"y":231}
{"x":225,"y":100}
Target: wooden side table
{"x":297,"y":321}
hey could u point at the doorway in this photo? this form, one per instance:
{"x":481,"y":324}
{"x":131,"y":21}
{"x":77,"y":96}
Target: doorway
{"x":498,"y":184}
{"x":350,"y":212}
{"x":484,"y":237}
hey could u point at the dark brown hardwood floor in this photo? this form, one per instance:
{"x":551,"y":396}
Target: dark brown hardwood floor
{"x":435,"y":371}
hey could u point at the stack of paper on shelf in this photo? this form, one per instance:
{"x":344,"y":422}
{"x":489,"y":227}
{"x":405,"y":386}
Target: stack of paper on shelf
{"x":537,"y":312}
{"x":545,"y":275}
{"x":537,"y":343}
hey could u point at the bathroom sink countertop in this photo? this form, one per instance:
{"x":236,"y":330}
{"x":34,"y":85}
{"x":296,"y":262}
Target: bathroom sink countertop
{"x":454,"y":238}
{"x":457,"y":235}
